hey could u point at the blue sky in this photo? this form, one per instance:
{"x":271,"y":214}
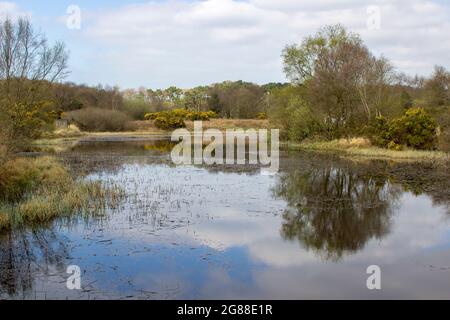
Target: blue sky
{"x":186,"y":43}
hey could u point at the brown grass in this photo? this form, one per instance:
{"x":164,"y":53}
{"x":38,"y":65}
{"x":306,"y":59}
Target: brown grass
{"x":39,"y":190}
{"x":4,"y":220}
{"x":71,"y":131}
{"x":223,"y":124}
{"x":361,"y":147}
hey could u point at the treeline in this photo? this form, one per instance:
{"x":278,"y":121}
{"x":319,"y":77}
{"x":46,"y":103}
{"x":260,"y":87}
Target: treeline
{"x":109,"y":109}
{"x":228,"y":99}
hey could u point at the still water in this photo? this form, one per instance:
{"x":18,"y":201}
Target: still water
{"x":193,"y":232}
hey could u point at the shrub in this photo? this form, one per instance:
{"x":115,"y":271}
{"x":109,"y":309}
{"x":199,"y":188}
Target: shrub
{"x":206,"y":116}
{"x":136,"y":108}
{"x":21,"y":176}
{"x":415,"y":129}
{"x":180,"y":113}
{"x":261,"y":116}
{"x":290,"y":112}
{"x":151,"y":116}
{"x":183,"y":114}
{"x":193,"y":116}
{"x":20,"y":123}
{"x":175,"y":118}
{"x":95,"y":119}
{"x":209,"y":115}
{"x":169,"y":122}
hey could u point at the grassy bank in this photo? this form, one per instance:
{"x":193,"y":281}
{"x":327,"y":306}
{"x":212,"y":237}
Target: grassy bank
{"x":362,"y":148}
{"x":34,"y":191}
{"x":148,"y":128}
{"x":62,"y":139}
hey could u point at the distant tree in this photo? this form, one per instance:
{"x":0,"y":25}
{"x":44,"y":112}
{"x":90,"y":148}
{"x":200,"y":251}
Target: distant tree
{"x":268,"y":87}
{"x":174,"y":96}
{"x":238,"y":99}
{"x":437,"y":88}
{"x":196,"y":98}
{"x":406,"y":100}
{"x":214,"y":102}
{"x":157,"y":98}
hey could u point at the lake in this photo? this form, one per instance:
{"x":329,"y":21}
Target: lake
{"x":224,"y":232}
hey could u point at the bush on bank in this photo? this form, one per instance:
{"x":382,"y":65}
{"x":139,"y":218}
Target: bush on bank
{"x":96,"y":119}
{"x":415,"y":129}
{"x":184,"y":114}
{"x":173,"y":119}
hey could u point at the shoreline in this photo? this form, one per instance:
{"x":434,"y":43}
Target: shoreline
{"x":353,"y":148}
{"x":371,"y":152}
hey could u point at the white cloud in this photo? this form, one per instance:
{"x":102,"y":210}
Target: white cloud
{"x":175,"y":42}
{"x":198,"y":42}
{"x":11,"y":10}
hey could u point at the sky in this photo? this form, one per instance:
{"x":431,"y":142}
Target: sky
{"x":160,"y":43}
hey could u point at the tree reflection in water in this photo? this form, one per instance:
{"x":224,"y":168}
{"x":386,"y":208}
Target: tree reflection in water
{"x":24,"y":254}
{"x":335,"y":210}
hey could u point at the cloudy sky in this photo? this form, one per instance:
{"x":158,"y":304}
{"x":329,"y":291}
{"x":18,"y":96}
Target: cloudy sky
{"x":159,"y":43}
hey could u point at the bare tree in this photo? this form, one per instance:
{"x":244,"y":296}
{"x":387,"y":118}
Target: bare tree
{"x":349,"y":86}
{"x":437,"y":87}
{"x":28,"y":67}
{"x":25,"y":53}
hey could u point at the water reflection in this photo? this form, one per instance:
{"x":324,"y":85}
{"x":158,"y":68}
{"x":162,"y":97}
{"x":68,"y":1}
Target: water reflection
{"x":335,"y":210}
{"x":26,"y":254}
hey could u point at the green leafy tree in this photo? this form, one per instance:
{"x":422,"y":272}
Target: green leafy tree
{"x":300,"y":60}
{"x":345,"y":85}
{"x":174,"y":96}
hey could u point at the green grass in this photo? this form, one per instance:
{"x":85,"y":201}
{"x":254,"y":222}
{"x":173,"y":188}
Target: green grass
{"x":34,"y":191}
{"x":360,"y":148}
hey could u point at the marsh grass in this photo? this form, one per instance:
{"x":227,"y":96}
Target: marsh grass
{"x":4,"y":220}
{"x":69,"y":132}
{"x":39,"y":190}
{"x":361,"y":147}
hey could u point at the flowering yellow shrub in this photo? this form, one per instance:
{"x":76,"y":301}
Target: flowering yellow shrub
{"x":175,"y":118}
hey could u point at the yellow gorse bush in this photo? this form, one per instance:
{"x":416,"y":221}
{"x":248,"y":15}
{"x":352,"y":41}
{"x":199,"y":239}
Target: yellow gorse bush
{"x":184,"y":114}
{"x":175,"y":118}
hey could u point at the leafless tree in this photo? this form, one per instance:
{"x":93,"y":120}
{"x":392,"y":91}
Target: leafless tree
{"x":25,"y":53}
